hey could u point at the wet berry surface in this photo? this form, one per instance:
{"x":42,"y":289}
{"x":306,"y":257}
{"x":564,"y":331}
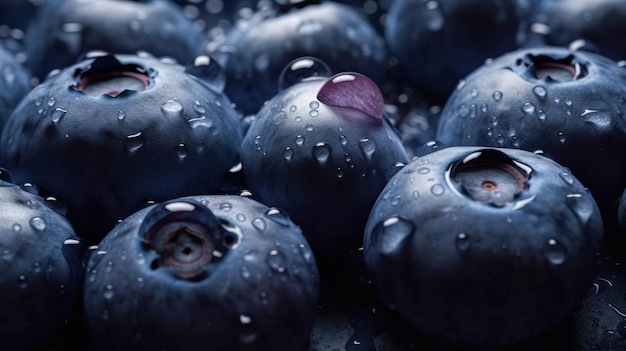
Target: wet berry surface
{"x":312,"y":175}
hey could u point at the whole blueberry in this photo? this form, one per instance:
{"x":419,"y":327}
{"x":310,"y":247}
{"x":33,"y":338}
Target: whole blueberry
{"x":322,"y":150}
{"x":568,"y":104}
{"x":483,"y":247}
{"x":66,"y":30}
{"x":440,"y":42}
{"x":218,"y":272}
{"x":255,"y":52}
{"x":42,"y":272}
{"x":588,"y":25}
{"x":114,"y":132}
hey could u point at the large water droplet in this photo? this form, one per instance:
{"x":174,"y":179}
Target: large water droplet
{"x":38,"y":223}
{"x":368,"y":147}
{"x":278,"y":216}
{"x":540,"y":91}
{"x":181,"y":152}
{"x":259,"y":224}
{"x":353,"y":90}
{"x":57,"y":114}
{"x":302,"y":69}
{"x":321,"y":152}
{"x":172,"y":108}
{"x":389,"y":234}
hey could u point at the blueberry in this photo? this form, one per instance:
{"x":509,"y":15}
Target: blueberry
{"x":322,"y":150}
{"x":222,"y":272}
{"x":483,"y":247}
{"x":568,"y":104}
{"x":64,"y":31}
{"x":440,"y":42}
{"x":42,"y":272}
{"x":255,"y":52}
{"x":588,"y":25}
{"x":14,"y":84}
{"x":113,"y":132}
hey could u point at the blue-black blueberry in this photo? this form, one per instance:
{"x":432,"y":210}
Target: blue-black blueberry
{"x":568,"y":104}
{"x":218,"y":272}
{"x":482,"y":248}
{"x":114,"y":132}
{"x":322,"y":149}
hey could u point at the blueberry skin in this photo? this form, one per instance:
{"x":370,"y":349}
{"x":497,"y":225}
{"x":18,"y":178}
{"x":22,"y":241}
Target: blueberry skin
{"x":107,"y":155}
{"x":258,"y":291}
{"x":590,"y":25}
{"x":41,"y":266}
{"x":14,"y":84}
{"x":65,"y":30}
{"x":253,"y":57}
{"x":440,"y":42}
{"x":473,"y":274}
{"x":569,"y":104}
{"x":323,"y":164}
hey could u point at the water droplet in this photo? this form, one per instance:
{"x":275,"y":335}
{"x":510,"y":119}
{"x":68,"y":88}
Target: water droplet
{"x":208,"y":71}
{"x":226,"y":206}
{"x":301,"y":69}
{"x":497,"y":95}
{"x":278,"y":216}
{"x":17,"y":228}
{"x":562,"y":138}
{"x":368,"y":147}
{"x":309,"y":127}
{"x":38,"y":223}
{"x":567,"y":177}
{"x":276,"y":260}
{"x":293,"y":108}
{"x":172,"y":108}
{"x":529,"y":108}
{"x":57,"y":114}
{"x":596,"y":117}
{"x":343,"y":140}
{"x":288,"y":153}
{"x":583,"y":206}
{"x":51,"y":101}
{"x":540,"y":91}
{"x":181,"y":152}
{"x":259,"y":224}
{"x":314,"y":105}
{"x":437,"y":189}
{"x":423,"y":170}
{"x":555,"y":252}
{"x":121,"y":115}
{"x":353,"y":90}
{"x":389,"y":234}
{"x":299,"y":139}
{"x":321,"y":152}
{"x":462,"y":241}
{"x":134,"y":142}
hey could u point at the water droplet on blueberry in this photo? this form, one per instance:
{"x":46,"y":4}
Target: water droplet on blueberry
{"x":389,"y":234}
{"x":302,"y":69}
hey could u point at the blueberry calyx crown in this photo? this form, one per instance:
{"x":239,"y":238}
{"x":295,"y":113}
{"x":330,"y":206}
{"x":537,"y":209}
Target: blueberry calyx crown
{"x":106,"y":75}
{"x":490,"y":177}
{"x":550,"y":68}
{"x":187,"y":238}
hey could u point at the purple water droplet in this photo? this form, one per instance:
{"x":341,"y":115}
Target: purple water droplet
{"x":353,"y":90}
